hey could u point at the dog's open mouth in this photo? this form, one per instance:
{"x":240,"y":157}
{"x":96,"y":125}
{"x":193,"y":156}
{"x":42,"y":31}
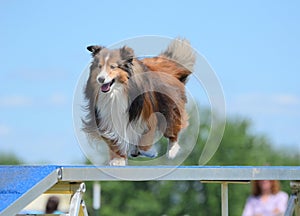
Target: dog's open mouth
{"x":106,"y":86}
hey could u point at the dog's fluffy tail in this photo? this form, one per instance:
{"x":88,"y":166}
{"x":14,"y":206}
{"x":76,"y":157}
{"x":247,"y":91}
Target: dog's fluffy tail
{"x":183,"y":54}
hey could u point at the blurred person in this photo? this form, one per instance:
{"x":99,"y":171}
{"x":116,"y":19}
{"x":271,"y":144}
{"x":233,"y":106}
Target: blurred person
{"x":52,"y":205}
{"x":266,"y":199}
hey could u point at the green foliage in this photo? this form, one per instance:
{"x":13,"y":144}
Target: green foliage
{"x":239,"y":146}
{"x":9,"y":159}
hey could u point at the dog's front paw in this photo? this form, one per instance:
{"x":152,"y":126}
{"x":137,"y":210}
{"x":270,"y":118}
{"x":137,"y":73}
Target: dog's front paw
{"x":118,"y":162}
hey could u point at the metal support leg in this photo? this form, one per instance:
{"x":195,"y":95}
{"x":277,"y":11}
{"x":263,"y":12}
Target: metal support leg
{"x":297,"y":193}
{"x":77,"y":205}
{"x":224,"y":193}
{"x":84,"y":209}
{"x":294,"y":200}
{"x":224,"y":196}
{"x":291,"y":205}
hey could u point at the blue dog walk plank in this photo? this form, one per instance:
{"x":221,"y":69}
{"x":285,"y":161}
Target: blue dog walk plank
{"x":17,"y":180}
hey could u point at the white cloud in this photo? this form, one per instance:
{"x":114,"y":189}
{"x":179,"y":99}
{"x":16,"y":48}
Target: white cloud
{"x":4,"y":130}
{"x":15,"y":101}
{"x":40,"y":74}
{"x":58,"y":99}
{"x":286,"y":99}
{"x":21,"y":101}
{"x":261,"y":103}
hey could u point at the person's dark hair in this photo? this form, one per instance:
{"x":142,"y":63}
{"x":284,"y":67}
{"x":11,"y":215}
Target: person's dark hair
{"x":52,"y":204}
{"x":256,"y":190}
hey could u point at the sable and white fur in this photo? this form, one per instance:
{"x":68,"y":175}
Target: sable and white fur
{"x":127,"y":98}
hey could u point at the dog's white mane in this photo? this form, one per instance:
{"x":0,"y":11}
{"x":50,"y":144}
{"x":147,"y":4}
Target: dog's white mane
{"x":112,"y":109}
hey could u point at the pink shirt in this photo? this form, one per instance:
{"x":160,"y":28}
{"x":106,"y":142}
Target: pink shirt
{"x":255,"y":206}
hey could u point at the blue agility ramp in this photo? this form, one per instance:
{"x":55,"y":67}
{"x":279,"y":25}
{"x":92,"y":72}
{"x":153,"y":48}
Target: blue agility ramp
{"x":20,"y":185}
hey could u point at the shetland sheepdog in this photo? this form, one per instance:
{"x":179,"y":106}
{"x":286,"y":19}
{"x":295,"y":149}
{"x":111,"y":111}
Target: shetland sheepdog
{"x":130,"y":99}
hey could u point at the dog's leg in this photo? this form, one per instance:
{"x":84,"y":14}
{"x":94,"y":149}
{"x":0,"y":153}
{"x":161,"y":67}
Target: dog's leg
{"x":135,"y":152}
{"x":145,"y":145}
{"x":116,"y":159}
{"x":118,"y":162}
{"x":173,"y":148}
{"x":150,"y":153}
{"x":176,"y":123}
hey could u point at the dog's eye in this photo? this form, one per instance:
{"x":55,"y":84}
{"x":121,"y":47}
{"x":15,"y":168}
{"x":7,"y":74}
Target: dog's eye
{"x":113,"y":67}
{"x":100,"y":66}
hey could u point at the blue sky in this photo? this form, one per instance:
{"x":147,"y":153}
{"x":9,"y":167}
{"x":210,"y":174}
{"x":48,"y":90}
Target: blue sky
{"x":253,"y":46}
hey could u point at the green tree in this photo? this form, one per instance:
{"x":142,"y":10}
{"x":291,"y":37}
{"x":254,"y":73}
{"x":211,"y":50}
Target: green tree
{"x":9,"y":159}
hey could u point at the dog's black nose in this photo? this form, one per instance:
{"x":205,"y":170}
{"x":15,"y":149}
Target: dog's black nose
{"x":101,"y":79}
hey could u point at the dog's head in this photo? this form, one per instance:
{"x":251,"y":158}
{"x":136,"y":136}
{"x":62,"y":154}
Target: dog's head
{"x":111,"y":66}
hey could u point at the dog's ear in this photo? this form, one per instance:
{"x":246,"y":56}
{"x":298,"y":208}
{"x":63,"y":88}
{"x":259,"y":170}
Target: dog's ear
{"x":127,"y":54}
{"x":94,"y":49}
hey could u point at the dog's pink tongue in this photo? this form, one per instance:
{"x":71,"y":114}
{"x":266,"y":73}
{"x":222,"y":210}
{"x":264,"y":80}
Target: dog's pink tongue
{"x":105,"y":87}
